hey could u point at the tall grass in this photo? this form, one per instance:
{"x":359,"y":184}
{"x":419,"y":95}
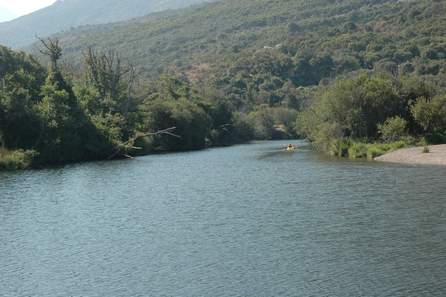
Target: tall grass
{"x":364,"y":150}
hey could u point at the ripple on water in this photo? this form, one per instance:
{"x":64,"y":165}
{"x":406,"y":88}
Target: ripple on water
{"x":248,"y":220}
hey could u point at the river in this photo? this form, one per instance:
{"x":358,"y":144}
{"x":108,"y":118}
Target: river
{"x":248,"y":220}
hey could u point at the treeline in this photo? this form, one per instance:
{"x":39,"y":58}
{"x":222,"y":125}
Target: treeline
{"x":47,"y":117}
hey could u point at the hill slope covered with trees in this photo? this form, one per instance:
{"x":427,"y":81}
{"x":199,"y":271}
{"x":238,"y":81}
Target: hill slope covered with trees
{"x":351,"y":35}
{"x":67,"y":14}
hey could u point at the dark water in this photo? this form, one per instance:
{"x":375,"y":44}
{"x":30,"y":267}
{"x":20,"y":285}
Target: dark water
{"x":240,"y":221}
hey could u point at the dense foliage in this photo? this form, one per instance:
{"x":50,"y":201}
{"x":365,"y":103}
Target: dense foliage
{"x":47,"y":118}
{"x":275,"y":53}
{"x":373,"y":107}
{"x":304,"y":41}
{"x":42,"y":115}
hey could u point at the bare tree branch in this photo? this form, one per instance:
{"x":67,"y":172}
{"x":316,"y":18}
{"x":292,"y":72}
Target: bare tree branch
{"x":52,"y":49}
{"x":129,"y":144}
{"x":113,"y":79}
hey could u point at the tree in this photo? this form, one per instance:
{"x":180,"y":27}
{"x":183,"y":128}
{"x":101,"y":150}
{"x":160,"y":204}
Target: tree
{"x":430,"y":114}
{"x":66,"y":133}
{"x":361,"y":108}
{"x":112,"y":81}
{"x":107,"y":95}
{"x":393,"y":129}
{"x":190,"y":121}
{"x":263,"y":122}
{"x":52,"y":49}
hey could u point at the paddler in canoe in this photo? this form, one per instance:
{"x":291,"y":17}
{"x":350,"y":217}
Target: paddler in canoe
{"x":290,"y":148}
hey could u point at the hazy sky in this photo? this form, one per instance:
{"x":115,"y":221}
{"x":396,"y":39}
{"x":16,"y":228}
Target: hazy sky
{"x":13,"y":8}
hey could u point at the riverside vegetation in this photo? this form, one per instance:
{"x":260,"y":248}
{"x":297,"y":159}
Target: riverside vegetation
{"x":48,"y":117}
{"x":371,"y":114}
{"x":357,"y":78}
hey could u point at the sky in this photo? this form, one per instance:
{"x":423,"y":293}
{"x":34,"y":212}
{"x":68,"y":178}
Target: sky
{"x":10,"y":9}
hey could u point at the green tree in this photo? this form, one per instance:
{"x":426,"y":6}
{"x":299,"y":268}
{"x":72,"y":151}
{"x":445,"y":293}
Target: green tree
{"x":66,"y":134}
{"x":430,"y":114}
{"x":190,"y":121}
{"x":393,"y":129}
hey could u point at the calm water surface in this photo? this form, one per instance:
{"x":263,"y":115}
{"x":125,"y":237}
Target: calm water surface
{"x":241,"y":221}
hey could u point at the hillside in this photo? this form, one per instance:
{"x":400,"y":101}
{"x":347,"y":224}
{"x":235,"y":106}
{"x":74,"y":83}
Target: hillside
{"x":66,"y":14}
{"x":365,"y":34}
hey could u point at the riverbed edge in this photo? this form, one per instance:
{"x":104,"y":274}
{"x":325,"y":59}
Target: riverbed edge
{"x":436,"y":155}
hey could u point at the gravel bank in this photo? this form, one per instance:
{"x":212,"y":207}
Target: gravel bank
{"x":415,"y":155}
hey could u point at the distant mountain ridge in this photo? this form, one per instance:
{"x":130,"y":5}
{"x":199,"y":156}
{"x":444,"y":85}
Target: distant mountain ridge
{"x":66,"y":14}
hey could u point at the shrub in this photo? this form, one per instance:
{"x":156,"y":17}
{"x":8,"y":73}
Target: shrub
{"x":190,"y":120}
{"x":436,"y":138}
{"x":393,"y":129}
{"x":425,"y":144}
{"x":374,"y":151}
{"x":396,"y":145}
{"x":360,"y":150}
{"x":339,"y":147}
{"x":18,"y":159}
{"x":430,"y":114}
{"x":357,"y":150}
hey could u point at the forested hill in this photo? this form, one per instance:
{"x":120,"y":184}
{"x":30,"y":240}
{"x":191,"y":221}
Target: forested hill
{"x":66,"y":14}
{"x":354,"y":34}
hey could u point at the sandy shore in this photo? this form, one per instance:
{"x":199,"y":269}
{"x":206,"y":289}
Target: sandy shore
{"x":415,"y":155}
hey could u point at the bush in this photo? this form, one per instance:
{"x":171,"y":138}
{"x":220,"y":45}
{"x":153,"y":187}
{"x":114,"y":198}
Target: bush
{"x":436,"y":138}
{"x":361,"y":150}
{"x":339,"y":147}
{"x":398,"y":145}
{"x":190,"y":120}
{"x":375,"y":150}
{"x":357,"y":150}
{"x":393,"y":129}
{"x":368,"y":107}
{"x":18,"y":159}
{"x":354,"y":105}
{"x":430,"y":114}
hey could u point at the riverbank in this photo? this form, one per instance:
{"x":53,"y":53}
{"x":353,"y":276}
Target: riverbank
{"x":415,"y":155}
{"x":12,"y":160}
